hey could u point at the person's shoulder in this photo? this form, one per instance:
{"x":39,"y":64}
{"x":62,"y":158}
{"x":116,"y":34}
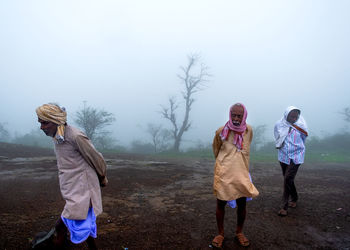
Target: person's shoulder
{"x":249,"y":128}
{"x":218,"y":131}
{"x":74,"y":132}
{"x":71,"y":129}
{"x":278,"y":123}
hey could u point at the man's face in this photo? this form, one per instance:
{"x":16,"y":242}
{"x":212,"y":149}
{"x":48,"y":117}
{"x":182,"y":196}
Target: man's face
{"x":293,"y":116}
{"x":49,"y":128}
{"x":237,"y":113}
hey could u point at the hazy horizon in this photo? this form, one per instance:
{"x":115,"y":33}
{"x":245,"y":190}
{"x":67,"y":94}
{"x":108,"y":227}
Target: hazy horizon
{"x":124,"y":57}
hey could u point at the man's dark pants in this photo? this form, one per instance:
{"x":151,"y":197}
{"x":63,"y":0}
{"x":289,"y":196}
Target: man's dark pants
{"x":289,"y":190}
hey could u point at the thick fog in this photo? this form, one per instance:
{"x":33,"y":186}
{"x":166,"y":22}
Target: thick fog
{"x":124,"y":57}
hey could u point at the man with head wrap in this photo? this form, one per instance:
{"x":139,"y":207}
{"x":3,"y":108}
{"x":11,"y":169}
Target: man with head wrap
{"x":232,"y":182}
{"x":82,"y":170}
{"x":290,"y":133}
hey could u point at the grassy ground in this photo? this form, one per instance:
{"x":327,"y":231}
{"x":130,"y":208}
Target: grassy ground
{"x":336,"y":157}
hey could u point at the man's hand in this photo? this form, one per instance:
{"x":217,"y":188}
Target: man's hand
{"x":103,"y":181}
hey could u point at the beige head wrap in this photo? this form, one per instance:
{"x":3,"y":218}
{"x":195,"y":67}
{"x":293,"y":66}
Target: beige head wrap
{"x":53,"y":113}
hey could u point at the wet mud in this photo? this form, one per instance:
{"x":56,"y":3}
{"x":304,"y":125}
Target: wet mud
{"x":168,"y":204}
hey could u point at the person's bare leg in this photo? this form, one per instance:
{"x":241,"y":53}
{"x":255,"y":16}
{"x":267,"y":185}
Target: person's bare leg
{"x":241,"y":213}
{"x":220,"y":215}
{"x":61,"y":233}
{"x":91,"y":243}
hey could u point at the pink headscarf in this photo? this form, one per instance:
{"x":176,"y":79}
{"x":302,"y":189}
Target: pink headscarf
{"x":238,"y":130}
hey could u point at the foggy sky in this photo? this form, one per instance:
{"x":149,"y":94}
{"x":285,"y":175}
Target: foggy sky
{"x":123,"y":56}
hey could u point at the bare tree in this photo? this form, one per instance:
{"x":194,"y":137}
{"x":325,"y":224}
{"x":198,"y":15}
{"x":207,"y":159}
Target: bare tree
{"x":92,"y":120}
{"x":192,"y":82}
{"x":159,"y":136}
{"x":154,"y":131}
{"x":346,"y":114}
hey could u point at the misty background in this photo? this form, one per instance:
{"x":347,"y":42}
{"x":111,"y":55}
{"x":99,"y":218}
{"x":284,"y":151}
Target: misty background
{"x":124,"y":57}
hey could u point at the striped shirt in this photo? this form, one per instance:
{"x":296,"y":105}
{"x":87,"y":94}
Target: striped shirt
{"x":293,"y":148}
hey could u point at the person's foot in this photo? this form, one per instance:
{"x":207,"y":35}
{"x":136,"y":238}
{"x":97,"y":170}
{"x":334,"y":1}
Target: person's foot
{"x":242,"y":240}
{"x":217,"y":241}
{"x":282,"y":212}
{"x":292,"y":204}
{"x":42,"y":240}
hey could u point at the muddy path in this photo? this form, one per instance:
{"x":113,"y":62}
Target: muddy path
{"x":168,"y":204}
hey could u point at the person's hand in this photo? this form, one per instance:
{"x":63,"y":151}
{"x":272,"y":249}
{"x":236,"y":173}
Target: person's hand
{"x":103,"y":181}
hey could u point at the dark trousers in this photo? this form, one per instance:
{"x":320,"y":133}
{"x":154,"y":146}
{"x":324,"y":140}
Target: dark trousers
{"x":289,"y":190}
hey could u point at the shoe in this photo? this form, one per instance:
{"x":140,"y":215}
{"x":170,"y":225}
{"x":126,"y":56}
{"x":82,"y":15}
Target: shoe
{"x":282,"y":212}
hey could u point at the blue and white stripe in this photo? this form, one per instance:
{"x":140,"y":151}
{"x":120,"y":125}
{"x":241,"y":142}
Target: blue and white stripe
{"x":293,"y":148}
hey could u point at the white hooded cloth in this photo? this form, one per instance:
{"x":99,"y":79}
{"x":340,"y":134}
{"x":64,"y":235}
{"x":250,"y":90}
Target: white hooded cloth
{"x":282,"y":126}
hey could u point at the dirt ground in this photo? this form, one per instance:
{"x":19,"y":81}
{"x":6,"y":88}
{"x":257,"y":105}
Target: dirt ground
{"x":168,"y":204}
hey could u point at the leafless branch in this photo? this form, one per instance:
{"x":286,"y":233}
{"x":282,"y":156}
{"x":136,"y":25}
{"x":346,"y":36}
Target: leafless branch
{"x":193,"y":83}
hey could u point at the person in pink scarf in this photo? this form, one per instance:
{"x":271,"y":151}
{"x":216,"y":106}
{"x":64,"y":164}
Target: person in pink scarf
{"x":232,"y":181}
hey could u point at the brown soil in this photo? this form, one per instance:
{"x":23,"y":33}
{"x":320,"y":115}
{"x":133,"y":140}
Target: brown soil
{"x":168,"y":204}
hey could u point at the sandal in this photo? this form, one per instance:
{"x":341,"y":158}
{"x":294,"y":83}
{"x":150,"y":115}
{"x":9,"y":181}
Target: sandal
{"x":217,"y":241}
{"x":242,"y":240}
{"x":292,"y":204}
{"x":282,"y":212}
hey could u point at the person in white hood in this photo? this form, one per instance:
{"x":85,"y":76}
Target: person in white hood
{"x":290,"y":133}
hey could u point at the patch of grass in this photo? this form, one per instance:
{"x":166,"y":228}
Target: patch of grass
{"x":327,"y":157}
{"x":335,"y":157}
{"x":202,"y":154}
{"x":255,"y":156}
{"x":263,"y":157}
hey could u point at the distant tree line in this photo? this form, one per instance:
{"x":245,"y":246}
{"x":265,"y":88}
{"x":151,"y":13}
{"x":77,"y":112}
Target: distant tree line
{"x":92,"y":121}
{"x":160,"y":143}
{"x":95,"y":122}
